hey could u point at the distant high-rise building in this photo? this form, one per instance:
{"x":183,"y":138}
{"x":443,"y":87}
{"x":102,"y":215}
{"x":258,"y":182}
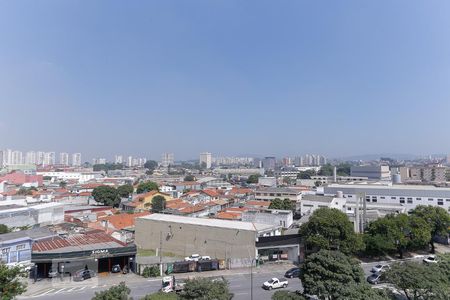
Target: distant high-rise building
{"x":206,"y":159}
{"x":30,"y":158}
{"x":17,"y":158}
{"x":118,"y":159}
{"x":76,"y":159}
{"x":167,"y":159}
{"x":7,"y":157}
{"x":40,"y":158}
{"x":130,"y":161}
{"x":142,"y":161}
{"x":287,"y":161}
{"x":102,"y":161}
{"x":64,"y":158}
{"x":269,"y":163}
{"x":49,"y":158}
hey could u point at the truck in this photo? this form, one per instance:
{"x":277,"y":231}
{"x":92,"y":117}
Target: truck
{"x":275,"y":283}
{"x":170,"y":285}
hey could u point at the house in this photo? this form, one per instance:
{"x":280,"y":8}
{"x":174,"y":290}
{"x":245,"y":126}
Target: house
{"x":142,"y":202}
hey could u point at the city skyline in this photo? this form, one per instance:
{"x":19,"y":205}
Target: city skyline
{"x":316,"y":78}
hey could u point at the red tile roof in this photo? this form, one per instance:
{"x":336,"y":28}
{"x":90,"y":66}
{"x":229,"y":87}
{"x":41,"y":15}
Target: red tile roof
{"x":123,"y":220}
{"x":73,"y":240}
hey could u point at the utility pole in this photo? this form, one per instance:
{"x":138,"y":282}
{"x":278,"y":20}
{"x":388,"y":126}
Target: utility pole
{"x":160,"y":254}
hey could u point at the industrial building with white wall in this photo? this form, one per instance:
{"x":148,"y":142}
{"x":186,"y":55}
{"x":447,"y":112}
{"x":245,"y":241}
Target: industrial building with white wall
{"x":408,"y":195}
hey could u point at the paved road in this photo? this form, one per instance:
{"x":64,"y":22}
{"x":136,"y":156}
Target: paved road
{"x":239,"y":285}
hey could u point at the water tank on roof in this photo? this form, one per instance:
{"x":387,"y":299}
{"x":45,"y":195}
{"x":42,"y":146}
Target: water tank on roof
{"x":396,"y":178}
{"x":340,"y":194}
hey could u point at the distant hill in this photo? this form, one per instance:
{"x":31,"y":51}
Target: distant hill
{"x":365,"y":157}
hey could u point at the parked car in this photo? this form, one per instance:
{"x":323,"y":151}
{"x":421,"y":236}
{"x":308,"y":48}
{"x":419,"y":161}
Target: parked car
{"x":205,"y":257}
{"x":116,"y":269}
{"x":275,"y":283}
{"x":53,"y":273}
{"x":380,"y":268}
{"x":193,"y":257}
{"x":375,"y":278}
{"x":84,"y":274}
{"x":292,"y":273}
{"x":431,"y":259}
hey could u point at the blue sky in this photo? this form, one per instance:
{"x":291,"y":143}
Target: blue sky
{"x":229,"y":77}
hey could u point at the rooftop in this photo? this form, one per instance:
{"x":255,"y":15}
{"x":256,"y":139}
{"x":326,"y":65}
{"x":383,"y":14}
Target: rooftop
{"x":238,"y":225}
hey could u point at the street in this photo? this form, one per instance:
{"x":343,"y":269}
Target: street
{"x":239,"y":285}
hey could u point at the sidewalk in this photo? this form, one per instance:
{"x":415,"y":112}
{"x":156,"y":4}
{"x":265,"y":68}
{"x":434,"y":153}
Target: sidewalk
{"x":114,"y":279}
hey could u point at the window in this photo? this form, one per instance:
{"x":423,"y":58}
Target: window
{"x":430,"y":199}
{"x":448,"y":200}
{"x":20,"y":247}
{"x":418,"y":199}
{"x":402,"y":200}
{"x":440,"y":202}
{"x":393,"y":198}
{"x":374,"y":197}
{"x":382,"y":197}
{"x":410,"y":200}
{"x":374,"y":200}
{"x":272,"y":194}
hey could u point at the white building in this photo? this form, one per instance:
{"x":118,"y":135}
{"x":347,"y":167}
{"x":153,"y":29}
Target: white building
{"x":40,"y":157}
{"x":41,"y":214}
{"x":30,"y":158}
{"x":17,"y":158}
{"x":76,"y":159}
{"x":276,"y":217}
{"x":81,"y":177}
{"x":49,"y":158}
{"x":408,"y":195}
{"x":371,"y":172}
{"x":206,"y":159}
{"x":118,"y":159}
{"x":64,"y":158}
{"x":167,"y":159}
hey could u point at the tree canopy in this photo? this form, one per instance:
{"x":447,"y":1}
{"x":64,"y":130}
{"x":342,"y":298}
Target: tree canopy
{"x":329,"y":228}
{"x":331,"y":275}
{"x":306,"y":174}
{"x":11,"y":281}
{"x":437,"y":218}
{"x":419,"y":281}
{"x":287,"y":295}
{"x":4,"y":229}
{"x":158,"y":203}
{"x":147,"y":186}
{"x":107,"y":195}
{"x":161,"y":296}
{"x":396,"y":233}
{"x":150,"y":164}
{"x":252,"y":179}
{"x":117,"y":292}
{"x":285,"y":204}
{"x":189,"y":177}
{"x":125,"y":190}
{"x":206,"y":289}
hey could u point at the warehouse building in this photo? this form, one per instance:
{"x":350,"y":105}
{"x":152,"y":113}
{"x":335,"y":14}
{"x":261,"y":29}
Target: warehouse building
{"x":232,"y":241}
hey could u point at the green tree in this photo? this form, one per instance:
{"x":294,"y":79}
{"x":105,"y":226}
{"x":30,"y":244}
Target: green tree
{"x":343,"y":169}
{"x":419,"y":281}
{"x":107,"y":195}
{"x":158,"y":203}
{"x":329,"y":228}
{"x":11,"y":281}
{"x":326,"y":170}
{"x":117,"y":292}
{"x":189,"y":178}
{"x":206,"y":289}
{"x":437,"y":218}
{"x":161,"y":296}
{"x":252,"y":179}
{"x":4,"y":229}
{"x":147,"y":186}
{"x":125,"y":190}
{"x":396,"y":233}
{"x":287,"y":295}
{"x":306,"y":174}
{"x":331,"y":274}
{"x":276,"y":203}
{"x":151,"y":165}
{"x":444,"y":264}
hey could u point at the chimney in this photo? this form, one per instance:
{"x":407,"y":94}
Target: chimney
{"x":334,"y":175}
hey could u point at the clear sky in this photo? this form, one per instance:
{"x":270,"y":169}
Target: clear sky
{"x":229,"y":77}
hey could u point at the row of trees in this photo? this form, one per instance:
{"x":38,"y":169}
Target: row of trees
{"x":342,"y":169}
{"x":199,"y":288}
{"x":285,"y":204}
{"x":331,"y":229}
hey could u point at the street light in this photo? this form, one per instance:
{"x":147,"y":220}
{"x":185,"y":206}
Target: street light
{"x":251,"y":278}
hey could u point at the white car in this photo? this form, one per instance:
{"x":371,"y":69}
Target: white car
{"x":380,"y":268}
{"x":275,"y":283}
{"x":193,"y":257}
{"x":431,"y":259}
